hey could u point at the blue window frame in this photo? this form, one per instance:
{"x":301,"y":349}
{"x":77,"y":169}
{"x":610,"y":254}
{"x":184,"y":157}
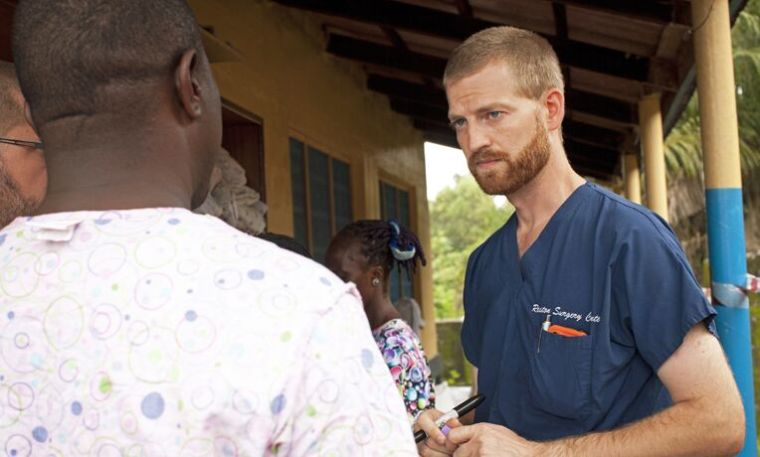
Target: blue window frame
{"x":395,"y":204}
{"x":321,"y":187}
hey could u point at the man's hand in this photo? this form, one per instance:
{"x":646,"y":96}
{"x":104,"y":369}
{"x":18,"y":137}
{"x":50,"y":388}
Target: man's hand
{"x":436,"y":444}
{"x":484,"y":440}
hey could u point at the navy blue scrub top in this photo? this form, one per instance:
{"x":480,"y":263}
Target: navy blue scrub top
{"x":602,"y":265}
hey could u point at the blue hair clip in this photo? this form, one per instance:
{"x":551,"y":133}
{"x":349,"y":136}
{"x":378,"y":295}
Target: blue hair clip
{"x":398,"y":253}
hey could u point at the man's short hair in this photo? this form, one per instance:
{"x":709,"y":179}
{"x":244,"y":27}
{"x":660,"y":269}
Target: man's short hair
{"x":80,"y":57}
{"x":11,"y":108}
{"x":529,"y":56}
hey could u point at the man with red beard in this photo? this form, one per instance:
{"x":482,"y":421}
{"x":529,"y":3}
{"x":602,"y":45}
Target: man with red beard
{"x":590,"y":333}
{"x":22,"y":167}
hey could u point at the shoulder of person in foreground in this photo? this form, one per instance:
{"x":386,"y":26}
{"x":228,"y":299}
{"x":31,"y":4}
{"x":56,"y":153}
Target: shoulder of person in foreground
{"x":342,"y":399}
{"x":346,"y":402}
{"x":236,"y":337}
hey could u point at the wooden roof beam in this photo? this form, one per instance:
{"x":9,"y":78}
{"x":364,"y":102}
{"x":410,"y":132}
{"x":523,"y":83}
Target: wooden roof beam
{"x":601,"y":106}
{"x":590,"y":134}
{"x":400,"y":15}
{"x":398,"y":88}
{"x":394,"y":37}
{"x":590,"y":59}
{"x":464,"y":8}
{"x":560,"y":20}
{"x":659,"y":12}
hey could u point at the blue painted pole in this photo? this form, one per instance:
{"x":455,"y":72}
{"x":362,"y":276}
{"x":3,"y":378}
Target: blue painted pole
{"x":725,"y":216}
{"x":725,"y":232}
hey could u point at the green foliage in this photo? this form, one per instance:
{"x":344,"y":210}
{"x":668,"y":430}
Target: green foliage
{"x":456,"y":370}
{"x":683,"y":149}
{"x":462,"y":217}
{"x":453,"y":377}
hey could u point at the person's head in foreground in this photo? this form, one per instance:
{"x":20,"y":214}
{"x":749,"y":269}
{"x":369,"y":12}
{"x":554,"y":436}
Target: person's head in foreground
{"x":22,"y":166}
{"x":132,"y":325}
{"x":506,"y":105}
{"x":123,"y":87}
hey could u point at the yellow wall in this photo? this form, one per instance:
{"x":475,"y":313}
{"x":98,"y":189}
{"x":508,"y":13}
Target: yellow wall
{"x":297,"y":89}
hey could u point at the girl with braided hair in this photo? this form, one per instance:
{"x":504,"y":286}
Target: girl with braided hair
{"x":364,"y":252}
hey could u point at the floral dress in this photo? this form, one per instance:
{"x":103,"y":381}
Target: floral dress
{"x":403,"y":354}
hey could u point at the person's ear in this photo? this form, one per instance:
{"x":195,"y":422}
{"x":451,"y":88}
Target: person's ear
{"x":555,"y":109}
{"x":186,"y":84}
{"x":376,"y":275}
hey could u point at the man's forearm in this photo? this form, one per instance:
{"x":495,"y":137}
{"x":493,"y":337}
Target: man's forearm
{"x":692,"y":428}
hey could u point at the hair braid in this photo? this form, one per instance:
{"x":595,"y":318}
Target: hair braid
{"x":376,"y":237}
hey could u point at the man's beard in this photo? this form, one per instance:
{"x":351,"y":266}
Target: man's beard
{"x":519,"y":170}
{"x":12,"y":202}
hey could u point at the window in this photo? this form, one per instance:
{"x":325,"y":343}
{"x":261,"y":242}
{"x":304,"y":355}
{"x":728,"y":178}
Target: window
{"x":394,"y":204}
{"x":321,"y":196}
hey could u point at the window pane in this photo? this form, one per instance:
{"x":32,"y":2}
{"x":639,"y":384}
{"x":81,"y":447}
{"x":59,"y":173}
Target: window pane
{"x":407,"y":290}
{"x":298,"y":187}
{"x":342,"y":193}
{"x":319,"y":190}
{"x":388,"y":195}
{"x":395,"y":285}
{"x":406,"y":286}
{"x":403,"y":208}
{"x":383,"y":209}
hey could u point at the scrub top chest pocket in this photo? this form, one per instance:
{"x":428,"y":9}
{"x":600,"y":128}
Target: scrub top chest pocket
{"x":560,"y":372}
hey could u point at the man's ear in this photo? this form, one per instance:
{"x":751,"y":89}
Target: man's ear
{"x":186,"y":84}
{"x":555,"y":109}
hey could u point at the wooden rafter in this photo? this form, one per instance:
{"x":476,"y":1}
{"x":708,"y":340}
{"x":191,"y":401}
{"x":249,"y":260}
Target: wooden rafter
{"x":656,"y":11}
{"x":426,"y":65}
{"x":438,"y":23}
{"x":464,"y":8}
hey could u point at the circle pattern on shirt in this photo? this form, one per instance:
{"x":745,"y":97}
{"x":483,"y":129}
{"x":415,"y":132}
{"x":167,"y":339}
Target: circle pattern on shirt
{"x":152,"y":406}
{"x":107,"y":259}
{"x":16,"y":277}
{"x":64,"y":322}
{"x":20,"y":348}
{"x":153,"y":291}
{"x":155,"y":252}
{"x":105,"y":321}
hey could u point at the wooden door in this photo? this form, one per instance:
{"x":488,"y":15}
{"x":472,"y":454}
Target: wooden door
{"x":243,"y":139}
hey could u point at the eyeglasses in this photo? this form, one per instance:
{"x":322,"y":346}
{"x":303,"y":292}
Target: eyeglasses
{"x":27,"y":144}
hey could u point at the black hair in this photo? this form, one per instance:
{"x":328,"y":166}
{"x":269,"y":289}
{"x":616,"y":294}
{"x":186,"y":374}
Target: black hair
{"x":378,"y":238}
{"x":81,"y":57}
{"x":286,"y":242}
